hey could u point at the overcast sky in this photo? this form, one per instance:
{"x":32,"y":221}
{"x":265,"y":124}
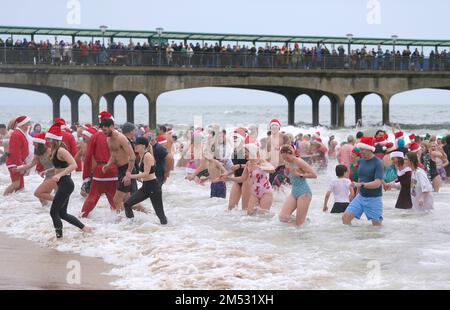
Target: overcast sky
{"x":405,"y":18}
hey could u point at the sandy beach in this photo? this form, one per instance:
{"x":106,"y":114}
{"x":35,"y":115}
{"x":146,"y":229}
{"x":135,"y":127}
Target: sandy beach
{"x":26,"y":265}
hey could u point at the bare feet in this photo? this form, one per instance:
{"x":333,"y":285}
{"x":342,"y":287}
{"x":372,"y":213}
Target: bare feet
{"x":88,"y":230}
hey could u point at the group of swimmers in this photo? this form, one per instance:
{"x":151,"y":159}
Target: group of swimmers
{"x":113,"y":160}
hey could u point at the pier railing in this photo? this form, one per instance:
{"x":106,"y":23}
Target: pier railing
{"x":124,"y":57}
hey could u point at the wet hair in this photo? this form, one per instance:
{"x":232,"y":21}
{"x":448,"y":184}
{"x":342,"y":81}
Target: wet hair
{"x":40,"y":149}
{"x":340,"y":170}
{"x":2,"y":126}
{"x":287,"y":148}
{"x":359,"y":135}
{"x":106,"y":122}
{"x":378,"y":132}
{"x":413,"y":159}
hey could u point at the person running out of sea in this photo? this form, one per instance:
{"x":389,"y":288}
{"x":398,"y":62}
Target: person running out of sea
{"x":300,"y":198}
{"x":257,"y":171}
{"x":390,"y":172}
{"x":274,"y":143}
{"x":421,"y":187}
{"x":215,"y":171}
{"x":20,"y":153}
{"x":369,"y":199}
{"x":239,"y":159}
{"x":150,"y":185}
{"x":403,"y":181}
{"x":44,"y":166}
{"x":64,"y":165}
{"x":342,"y":190}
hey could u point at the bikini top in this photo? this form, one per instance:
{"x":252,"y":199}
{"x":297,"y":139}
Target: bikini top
{"x":141,"y":166}
{"x":59,"y":164}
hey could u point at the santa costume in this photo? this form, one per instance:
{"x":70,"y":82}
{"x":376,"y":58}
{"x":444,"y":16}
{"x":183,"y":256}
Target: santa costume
{"x":19,"y":151}
{"x":69,"y":140}
{"x":97,"y":155}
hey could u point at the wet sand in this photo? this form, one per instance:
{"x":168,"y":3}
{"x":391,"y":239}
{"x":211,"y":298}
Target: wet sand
{"x":25,"y":265}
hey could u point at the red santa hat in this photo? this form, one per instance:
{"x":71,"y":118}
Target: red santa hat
{"x":414,"y":147}
{"x":87,"y":126}
{"x":381,"y":140}
{"x":275,"y":122}
{"x":89,"y":132}
{"x":240,"y":134}
{"x":318,"y":140}
{"x":412,"y":137}
{"x":169,"y":130}
{"x":161,"y":139}
{"x":55,"y":133}
{"x":366,"y":143}
{"x":389,"y":147}
{"x":60,"y":122}
{"x":39,"y":138}
{"x":105,"y":115}
{"x":22,"y":120}
{"x":399,"y":135}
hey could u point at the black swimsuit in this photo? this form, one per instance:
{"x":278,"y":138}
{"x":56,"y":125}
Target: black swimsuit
{"x":58,"y":210}
{"x":150,"y":189}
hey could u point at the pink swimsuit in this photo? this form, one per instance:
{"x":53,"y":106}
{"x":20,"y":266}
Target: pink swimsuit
{"x":260,"y":183}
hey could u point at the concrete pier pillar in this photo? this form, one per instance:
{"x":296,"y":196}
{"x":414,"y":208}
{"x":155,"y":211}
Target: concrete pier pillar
{"x":152,"y":111}
{"x":56,"y":103}
{"x":110,"y":98}
{"x":358,"y":107}
{"x":333,"y":112}
{"x":386,"y":113}
{"x":95,"y":108}
{"x":291,"y":98}
{"x":74,"y":107}
{"x":129,"y":97}
{"x":315,"y":98}
{"x":341,"y":111}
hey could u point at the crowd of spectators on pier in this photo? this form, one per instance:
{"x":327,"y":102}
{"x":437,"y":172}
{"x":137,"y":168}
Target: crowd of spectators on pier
{"x":215,"y":55}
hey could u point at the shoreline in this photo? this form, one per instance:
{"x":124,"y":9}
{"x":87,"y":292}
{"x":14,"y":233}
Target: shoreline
{"x":28,"y":266}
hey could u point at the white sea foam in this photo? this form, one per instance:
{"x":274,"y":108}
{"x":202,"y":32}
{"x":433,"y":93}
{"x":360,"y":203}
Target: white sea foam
{"x":207,"y":247}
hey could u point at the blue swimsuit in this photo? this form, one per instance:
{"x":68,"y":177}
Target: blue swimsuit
{"x":299,"y":185}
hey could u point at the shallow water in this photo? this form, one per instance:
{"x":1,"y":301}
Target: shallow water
{"x":207,"y":247}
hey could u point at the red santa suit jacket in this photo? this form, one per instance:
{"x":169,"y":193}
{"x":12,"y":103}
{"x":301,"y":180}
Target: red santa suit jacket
{"x":97,"y":155}
{"x":18,"y":149}
{"x":72,"y":147}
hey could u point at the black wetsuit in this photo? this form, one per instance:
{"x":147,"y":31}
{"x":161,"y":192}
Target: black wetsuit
{"x":150,"y":189}
{"x":58,"y":210}
{"x":239,"y":159}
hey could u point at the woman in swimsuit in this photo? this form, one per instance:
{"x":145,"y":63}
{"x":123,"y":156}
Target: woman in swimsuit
{"x":44,"y":167}
{"x":257,"y":172}
{"x":301,"y":195}
{"x":239,"y":160}
{"x":438,"y":161}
